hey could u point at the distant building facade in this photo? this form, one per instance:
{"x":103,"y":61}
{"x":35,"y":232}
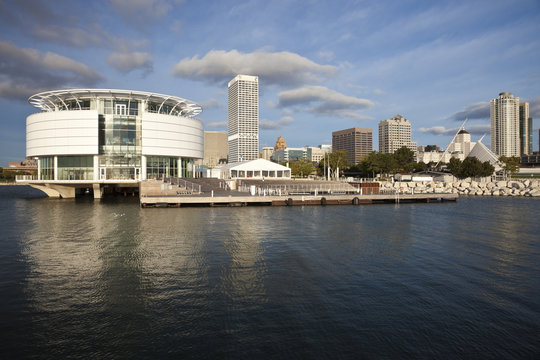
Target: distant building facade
{"x":525,"y":129}
{"x":504,"y":113}
{"x":357,"y":142}
{"x":315,"y":154}
{"x":289,"y":154}
{"x":243,"y":124}
{"x":395,"y":133}
{"x":280,"y":143}
{"x":215,"y":148}
{"x":266,"y":152}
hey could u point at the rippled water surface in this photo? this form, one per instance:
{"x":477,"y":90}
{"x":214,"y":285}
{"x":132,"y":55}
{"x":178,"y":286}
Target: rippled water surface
{"x":108,"y":279}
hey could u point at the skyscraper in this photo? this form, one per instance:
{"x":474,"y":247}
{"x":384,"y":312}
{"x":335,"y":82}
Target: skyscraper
{"x":243,"y":125}
{"x":356,"y":141}
{"x":504,"y":113}
{"x":525,"y":129}
{"x":395,"y":133}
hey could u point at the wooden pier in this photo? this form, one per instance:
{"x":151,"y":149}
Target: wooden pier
{"x":289,"y":200}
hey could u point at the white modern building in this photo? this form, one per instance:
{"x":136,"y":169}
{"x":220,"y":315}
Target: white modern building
{"x":395,"y":133}
{"x":243,"y":124}
{"x":104,"y":138}
{"x":504,"y":113}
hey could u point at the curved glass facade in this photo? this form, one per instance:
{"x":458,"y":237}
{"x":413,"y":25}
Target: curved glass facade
{"x":100,"y":134}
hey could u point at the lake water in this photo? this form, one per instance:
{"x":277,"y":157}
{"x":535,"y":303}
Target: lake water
{"x":108,"y":279}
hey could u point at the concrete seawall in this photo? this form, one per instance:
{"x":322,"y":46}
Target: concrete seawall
{"x":517,"y":187}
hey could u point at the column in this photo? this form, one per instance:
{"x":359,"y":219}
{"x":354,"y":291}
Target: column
{"x":56,"y":168}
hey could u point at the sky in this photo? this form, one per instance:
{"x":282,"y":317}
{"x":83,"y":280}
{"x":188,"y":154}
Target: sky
{"x":323,"y":66}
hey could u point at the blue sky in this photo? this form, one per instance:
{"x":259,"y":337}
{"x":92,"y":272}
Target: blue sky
{"x":322,"y":65}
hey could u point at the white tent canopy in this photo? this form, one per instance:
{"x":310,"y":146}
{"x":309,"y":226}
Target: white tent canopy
{"x":255,"y":169}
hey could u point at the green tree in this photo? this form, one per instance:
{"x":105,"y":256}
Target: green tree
{"x":471,"y":167}
{"x":454,"y":165}
{"x":338,"y":159}
{"x":386,"y":163}
{"x":487,"y":169}
{"x":510,"y":164}
{"x":421,"y":166}
{"x":305,"y":166}
{"x":404,"y":159}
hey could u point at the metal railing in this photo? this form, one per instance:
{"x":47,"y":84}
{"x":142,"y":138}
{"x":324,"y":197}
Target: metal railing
{"x":300,"y":189}
{"x":181,"y":183}
{"x":25,"y":177}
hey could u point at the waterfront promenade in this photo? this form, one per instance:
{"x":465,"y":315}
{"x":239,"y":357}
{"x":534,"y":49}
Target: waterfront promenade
{"x":275,"y":193}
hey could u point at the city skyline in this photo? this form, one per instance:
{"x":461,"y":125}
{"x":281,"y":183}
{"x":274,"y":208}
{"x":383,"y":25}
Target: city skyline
{"x":321,"y":68}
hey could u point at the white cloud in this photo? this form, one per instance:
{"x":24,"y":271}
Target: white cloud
{"x":210,"y":104}
{"x":141,"y":13}
{"x":27,"y":71}
{"x":269,"y":124}
{"x":273,"y":68}
{"x":323,"y":101}
{"x":126,"y":62}
{"x":478,"y":129}
{"x":326,"y":55}
{"x":218,"y":124}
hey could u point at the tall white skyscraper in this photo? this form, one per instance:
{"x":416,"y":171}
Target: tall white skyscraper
{"x":243,"y":125}
{"x":395,"y":133}
{"x":504,"y":112}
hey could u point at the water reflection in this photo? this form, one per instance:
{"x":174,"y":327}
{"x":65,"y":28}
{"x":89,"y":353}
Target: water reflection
{"x":113,"y":280}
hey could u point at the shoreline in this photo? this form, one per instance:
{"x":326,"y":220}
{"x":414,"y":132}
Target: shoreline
{"x":517,"y":187}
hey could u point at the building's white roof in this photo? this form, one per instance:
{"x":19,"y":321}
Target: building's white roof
{"x":258,"y":164}
{"x":482,"y":153}
{"x":47,"y":100}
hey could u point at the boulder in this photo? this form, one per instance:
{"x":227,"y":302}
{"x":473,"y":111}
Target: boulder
{"x":501,"y":184}
{"x":535,"y":192}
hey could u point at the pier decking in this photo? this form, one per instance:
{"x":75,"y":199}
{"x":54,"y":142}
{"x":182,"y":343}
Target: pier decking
{"x":214,"y":192}
{"x":290,"y":200}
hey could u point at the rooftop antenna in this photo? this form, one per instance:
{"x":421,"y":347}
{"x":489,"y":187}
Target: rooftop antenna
{"x":482,"y":138}
{"x":445,"y":151}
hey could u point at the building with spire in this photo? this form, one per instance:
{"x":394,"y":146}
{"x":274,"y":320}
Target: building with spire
{"x":280,"y":143}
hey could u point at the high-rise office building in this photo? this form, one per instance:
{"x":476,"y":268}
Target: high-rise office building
{"x":504,"y":113}
{"x":243,"y":125}
{"x":215,"y":148}
{"x":525,"y":129}
{"x":357,"y":142}
{"x":395,"y":133}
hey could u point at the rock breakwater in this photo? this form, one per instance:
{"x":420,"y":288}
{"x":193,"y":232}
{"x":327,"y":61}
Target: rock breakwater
{"x":518,"y":187}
